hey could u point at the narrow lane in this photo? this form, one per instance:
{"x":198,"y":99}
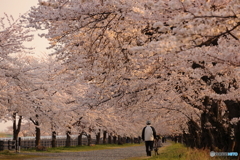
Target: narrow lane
{"x":106,"y":154}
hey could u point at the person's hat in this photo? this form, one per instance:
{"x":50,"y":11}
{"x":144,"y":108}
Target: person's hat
{"x":148,"y":122}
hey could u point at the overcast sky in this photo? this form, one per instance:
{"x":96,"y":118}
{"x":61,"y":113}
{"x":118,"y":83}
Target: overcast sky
{"x":16,"y":8}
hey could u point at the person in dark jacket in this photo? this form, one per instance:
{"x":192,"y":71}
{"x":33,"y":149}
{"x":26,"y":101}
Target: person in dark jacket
{"x":148,"y":135}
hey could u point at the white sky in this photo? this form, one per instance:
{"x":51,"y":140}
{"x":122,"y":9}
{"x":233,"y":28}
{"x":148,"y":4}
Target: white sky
{"x":3,"y":126}
{"x":16,"y":8}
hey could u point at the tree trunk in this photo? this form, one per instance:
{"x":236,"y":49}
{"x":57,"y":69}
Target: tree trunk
{"x":98,"y":138}
{"x":68,"y":140}
{"x":119,"y":140}
{"x":89,"y":139}
{"x":54,"y":139}
{"x":195,"y":132}
{"x":114,"y":139}
{"x":38,"y":135}
{"x":237,"y":141}
{"x":16,"y":127}
{"x":234,"y":112}
{"x":123,"y":140}
{"x":104,"y":137}
{"x":80,"y":139}
{"x":131,"y":140}
{"x":109,"y":139}
{"x":38,"y":131}
{"x":206,"y":140}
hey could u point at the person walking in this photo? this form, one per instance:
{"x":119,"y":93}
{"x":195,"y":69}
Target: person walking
{"x":148,"y":135}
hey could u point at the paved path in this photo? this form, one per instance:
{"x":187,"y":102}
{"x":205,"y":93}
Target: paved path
{"x":106,"y":154}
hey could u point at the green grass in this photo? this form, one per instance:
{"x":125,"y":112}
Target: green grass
{"x":6,"y":152}
{"x":4,"y":135}
{"x":11,"y":155}
{"x":177,"y":151}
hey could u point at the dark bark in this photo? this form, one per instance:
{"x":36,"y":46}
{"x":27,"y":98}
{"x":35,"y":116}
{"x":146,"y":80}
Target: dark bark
{"x":115,"y":139}
{"x":37,"y":131}
{"x":208,"y":140}
{"x":38,"y":135}
{"x":237,"y":140}
{"x":109,"y":139}
{"x":186,"y":139}
{"x":221,"y":134}
{"x":54,"y":139}
{"x":120,"y":140}
{"x":234,"y":112}
{"x":123,"y":140}
{"x":194,"y":132}
{"x":80,"y":139}
{"x":98,"y":138}
{"x":16,"y":126}
{"x":89,"y":139}
{"x":131,"y":140}
{"x":180,"y":138}
{"x":215,"y":134}
{"x":104,"y":137}
{"x":68,"y":140}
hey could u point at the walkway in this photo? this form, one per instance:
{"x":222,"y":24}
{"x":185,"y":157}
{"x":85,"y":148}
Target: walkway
{"x":106,"y":154}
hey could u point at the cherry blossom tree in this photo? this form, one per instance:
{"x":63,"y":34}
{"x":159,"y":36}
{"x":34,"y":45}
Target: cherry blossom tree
{"x":153,"y":57}
{"x":12,"y":36}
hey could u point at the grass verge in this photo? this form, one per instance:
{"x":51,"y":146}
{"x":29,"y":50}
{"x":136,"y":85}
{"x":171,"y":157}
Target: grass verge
{"x":11,"y":155}
{"x":178,"y":151}
{"x":4,"y":135}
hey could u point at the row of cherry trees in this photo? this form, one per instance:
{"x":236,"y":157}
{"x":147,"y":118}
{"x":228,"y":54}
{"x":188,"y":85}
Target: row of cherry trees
{"x":45,"y":93}
{"x":175,"y":62}
{"x":12,"y":36}
{"x":154,"y":57}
